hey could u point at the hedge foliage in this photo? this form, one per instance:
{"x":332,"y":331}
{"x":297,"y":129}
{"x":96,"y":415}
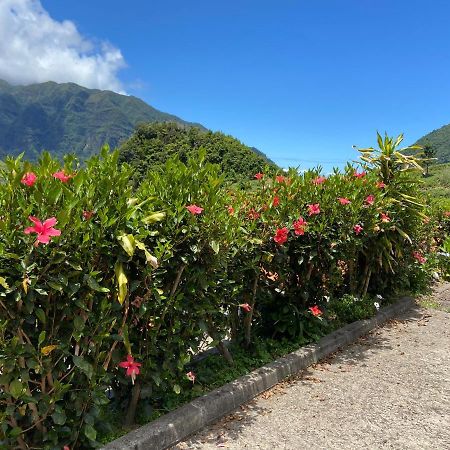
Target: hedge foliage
{"x":135,"y":281}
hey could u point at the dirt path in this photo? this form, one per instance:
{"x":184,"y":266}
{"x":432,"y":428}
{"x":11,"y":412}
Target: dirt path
{"x":390,"y":390}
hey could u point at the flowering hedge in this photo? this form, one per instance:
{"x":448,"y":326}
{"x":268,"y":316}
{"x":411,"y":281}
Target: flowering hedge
{"x":107,"y":292}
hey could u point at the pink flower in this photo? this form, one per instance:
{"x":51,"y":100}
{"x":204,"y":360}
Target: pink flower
{"x":299,"y":226}
{"x":357,"y":174}
{"x":88,"y":214}
{"x":44,"y":230}
{"x":29,"y":179}
{"x":315,"y":310}
{"x":132,"y":367}
{"x":280,"y":179}
{"x":246,"y":307}
{"x":357,"y":228}
{"x":230,"y":210}
{"x":314,"y":209}
{"x":385,"y":218}
{"x":419,"y":257}
{"x":370,"y":199}
{"x":253,"y":214}
{"x":194,"y":209}
{"x":61,"y":176}
{"x":344,"y":201}
{"x":281,"y":236}
{"x":276,"y":201}
{"x":380,"y":185}
{"x":259,"y":175}
{"x":319,"y":180}
{"x":191,"y":376}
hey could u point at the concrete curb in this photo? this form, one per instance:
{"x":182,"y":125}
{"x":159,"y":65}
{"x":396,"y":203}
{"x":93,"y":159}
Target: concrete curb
{"x":192,"y":417}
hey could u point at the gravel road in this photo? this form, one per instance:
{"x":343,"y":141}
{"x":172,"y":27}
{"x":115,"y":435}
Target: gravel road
{"x":390,"y":390}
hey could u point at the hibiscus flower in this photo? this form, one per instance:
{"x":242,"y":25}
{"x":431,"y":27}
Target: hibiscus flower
{"x":132,"y":367}
{"x":29,"y":179}
{"x":43,"y":230}
{"x":281,"y":236}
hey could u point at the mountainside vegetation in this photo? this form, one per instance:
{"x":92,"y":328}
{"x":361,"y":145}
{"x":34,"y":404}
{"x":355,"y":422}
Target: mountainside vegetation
{"x":439,"y":141}
{"x":67,"y":118}
{"x":153,"y":144}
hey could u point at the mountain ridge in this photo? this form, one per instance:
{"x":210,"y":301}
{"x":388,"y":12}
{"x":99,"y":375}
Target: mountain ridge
{"x":68,"y":118}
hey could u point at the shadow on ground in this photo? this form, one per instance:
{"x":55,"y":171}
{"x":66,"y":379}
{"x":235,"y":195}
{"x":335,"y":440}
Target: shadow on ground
{"x":229,"y":428}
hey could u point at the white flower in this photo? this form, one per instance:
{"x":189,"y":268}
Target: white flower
{"x":377,"y":305}
{"x":379,"y":296}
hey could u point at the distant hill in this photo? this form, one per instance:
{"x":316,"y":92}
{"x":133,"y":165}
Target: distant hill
{"x":152,"y":144}
{"x":440,"y":140}
{"x":63,"y":118}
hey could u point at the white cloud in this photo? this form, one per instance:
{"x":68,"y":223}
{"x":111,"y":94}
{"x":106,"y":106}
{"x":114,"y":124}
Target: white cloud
{"x":35,"y":48}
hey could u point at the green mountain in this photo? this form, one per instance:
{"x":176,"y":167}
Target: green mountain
{"x":67,"y":118}
{"x":440,"y":141}
{"x":152,"y":144}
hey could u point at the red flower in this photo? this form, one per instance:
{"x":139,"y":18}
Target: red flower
{"x":280,"y":179}
{"x":276,"y":201}
{"x":246,"y":307}
{"x":370,"y":199}
{"x":380,"y":185}
{"x":253,"y":214}
{"x":29,"y":179}
{"x":319,"y":180}
{"x":44,"y":230}
{"x":344,"y":201}
{"x":314,"y":209}
{"x":315,"y":310}
{"x":259,"y":175}
{"x":194,"y":209}
{"x":357,"y":174}
{"x":357,"y":228}
{"x":281,"y":235}
{"x":88,"y":214}
{"x":132,"y":367}
{"x":230,"y":210}
{"x":66,"y":447}
{"x":299,"y":226}
{"x":419,"y":257}
{"x":191,"y":376}
{"x":61,"y":176}
{"x":385,"y":217}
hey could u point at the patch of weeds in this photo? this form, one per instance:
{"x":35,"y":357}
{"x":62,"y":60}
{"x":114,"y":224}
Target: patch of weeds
{"x":429,"y":303}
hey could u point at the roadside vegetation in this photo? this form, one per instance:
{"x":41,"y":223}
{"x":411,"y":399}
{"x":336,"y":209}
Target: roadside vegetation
{"x":111,"y":283}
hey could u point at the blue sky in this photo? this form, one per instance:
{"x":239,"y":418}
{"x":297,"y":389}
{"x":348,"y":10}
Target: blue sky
{"x":301,"y":80}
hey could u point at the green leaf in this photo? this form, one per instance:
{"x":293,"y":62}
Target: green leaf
{"x":215,"y":246}
{"x":93,"y":284}
{"x":83,"y":365}
{"x":16,"y":388}
{"x":89,"y":432}
{"x":176,"y":388}
{"x":40,"y":314}
{"x":59,"y":418}
{"x":41,"y":338}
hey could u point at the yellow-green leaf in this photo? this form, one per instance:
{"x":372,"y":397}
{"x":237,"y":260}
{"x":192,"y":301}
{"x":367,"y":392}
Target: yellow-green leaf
{"x":128,"y":243}
{"x":48,"y":349}
{"x":121,"y":281}
{"x":155,"y":217}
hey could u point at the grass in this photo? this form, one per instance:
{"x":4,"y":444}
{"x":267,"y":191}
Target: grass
{"x":437,"y":184}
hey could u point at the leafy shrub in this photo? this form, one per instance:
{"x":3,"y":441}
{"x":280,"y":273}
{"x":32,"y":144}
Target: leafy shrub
{"x":135,"y":281}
